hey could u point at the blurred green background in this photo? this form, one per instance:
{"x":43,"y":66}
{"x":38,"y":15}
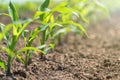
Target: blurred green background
{"x":25,"y":7}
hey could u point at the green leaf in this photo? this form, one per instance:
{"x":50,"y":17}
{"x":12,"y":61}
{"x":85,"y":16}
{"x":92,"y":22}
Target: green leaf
{"x":24,"y":33}
{"x":83,"y":18}
{"x":24,"y":26}
{"x":21,"y":59}
{"x":5,"y":30}
{"x":63,"y":4}
{"x":52,"y":45}
{"x":12,"y":12}
{"x":2,"y":26}
{"x":2,"y":65}
{"x":6,"y":36}
{"x":22,"y":21}
{"x":8,"y":51}
{"x":44,"y":5}
{"x":47,"y":49}
{"x":33,"y":35}
{"x":29,"y":48}
{"x":41,"y":46}
{"x":4,"y":14}
{"x":44,"y":27}
{"x":38,"y":13}
{"x":79,"y":26}
{"x":62,"y":8}
{"x":60,"y":31}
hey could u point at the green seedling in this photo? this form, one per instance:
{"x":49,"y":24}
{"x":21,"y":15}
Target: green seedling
{"x":33,"y":35}
{"x":28,"y":43}
{"x":45,"y":16}
{"x":65,"y":19}
{"x":18,"y":27}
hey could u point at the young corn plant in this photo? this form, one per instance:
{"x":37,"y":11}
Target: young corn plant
{"x":2,"y":34}
{"x":45,"y":16}
{"x":65,"y":19}
{"x":12,"y":38}
{"x":28,"y":43}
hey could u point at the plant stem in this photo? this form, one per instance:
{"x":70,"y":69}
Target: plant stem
{"x":26,"y":59}
{"x":8,"y":72}
{"x":9,"y":62}
{"x":59,"y":40}
{"x":42,"y":43}
{"x":66,"y":38}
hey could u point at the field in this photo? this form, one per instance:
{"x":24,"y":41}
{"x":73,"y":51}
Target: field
{"x":95,"y":57}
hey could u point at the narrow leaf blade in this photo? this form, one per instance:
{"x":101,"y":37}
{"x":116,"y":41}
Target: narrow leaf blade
{"x":12,"y":12}
{"x":44,"y":5}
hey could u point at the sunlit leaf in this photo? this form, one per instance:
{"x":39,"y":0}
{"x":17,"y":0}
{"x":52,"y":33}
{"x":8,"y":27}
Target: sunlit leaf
{"x":8,"y":51}
{"x":44,"y":5}
{"x":2,"y":65}
{"x":4,"y":14}
{"x":63,"y":30}
{"x":12,"y":12}
{"x":38,"y":14}
{"x":44,"y":27}
{"x":29,"y":48}
{"x":80,"y":27}
{"x":5,"y":30}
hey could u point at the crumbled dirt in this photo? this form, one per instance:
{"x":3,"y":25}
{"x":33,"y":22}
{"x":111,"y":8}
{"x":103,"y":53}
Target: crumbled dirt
{"x":94,"y":58}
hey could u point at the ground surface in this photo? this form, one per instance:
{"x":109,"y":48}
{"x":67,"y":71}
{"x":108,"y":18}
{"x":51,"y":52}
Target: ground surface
{"x":93,"y":58}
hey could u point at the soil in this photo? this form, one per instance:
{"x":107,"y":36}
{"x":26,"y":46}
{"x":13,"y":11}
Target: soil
{"x":94,"y":58}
